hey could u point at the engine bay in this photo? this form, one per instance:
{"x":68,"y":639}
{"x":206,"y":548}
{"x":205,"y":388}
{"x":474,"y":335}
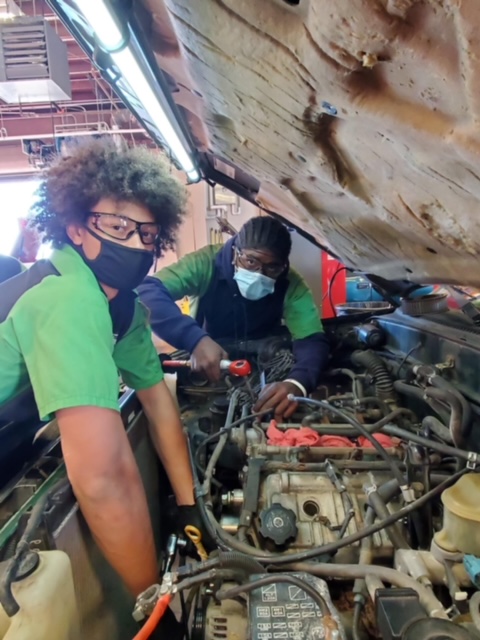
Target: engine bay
{"x":368,"y":492}
{"x":356,"y":519}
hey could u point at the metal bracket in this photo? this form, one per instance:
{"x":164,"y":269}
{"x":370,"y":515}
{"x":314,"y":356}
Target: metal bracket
{"x":448,"y":364}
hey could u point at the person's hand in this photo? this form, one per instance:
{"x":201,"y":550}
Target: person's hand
{"x":190,"y":515}
{"x":274,"y":396}
{"x":206,"y":358}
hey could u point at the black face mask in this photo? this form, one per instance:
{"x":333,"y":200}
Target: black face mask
{"x":119,"y":267}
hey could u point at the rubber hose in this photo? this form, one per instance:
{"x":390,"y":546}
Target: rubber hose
{"x":397,"y":538}
{"x":430,"y":423}
{"x":474,"y":606}
{"x":456,"y":412}
{"x":409,"y":390}
{"x":444,"y":449}
{"x":387,"y":492}
{"x":378,"y":370}
{"x":433,"y":396}
{"x":419,"y":394}
{"x":240,"y":561}
{"x":352,"y":571}
{"x":440,"y":383}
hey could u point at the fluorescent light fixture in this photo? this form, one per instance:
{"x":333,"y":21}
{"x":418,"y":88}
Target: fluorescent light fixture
{"x":102,"y":22}
{"x":133,"y":75}
{"x":110,"y":37}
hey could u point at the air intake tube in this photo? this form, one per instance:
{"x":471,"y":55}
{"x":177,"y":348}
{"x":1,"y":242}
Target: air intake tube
{"x":379,"y":372}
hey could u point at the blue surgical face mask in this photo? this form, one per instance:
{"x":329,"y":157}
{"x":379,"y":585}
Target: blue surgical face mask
{"x":253,"y":285}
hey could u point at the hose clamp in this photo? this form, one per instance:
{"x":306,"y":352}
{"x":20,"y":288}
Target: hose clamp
{"x":408,"y":493}
{"x":472,"y":461}
{"x":369,"y":489}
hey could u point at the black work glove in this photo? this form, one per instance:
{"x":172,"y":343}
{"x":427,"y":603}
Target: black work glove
{"x":190,"y":515}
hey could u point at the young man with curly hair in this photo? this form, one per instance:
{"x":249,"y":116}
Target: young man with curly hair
{"x":69,"y":325}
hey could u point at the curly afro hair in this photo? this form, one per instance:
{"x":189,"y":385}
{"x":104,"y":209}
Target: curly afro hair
{"x":98,"y":169}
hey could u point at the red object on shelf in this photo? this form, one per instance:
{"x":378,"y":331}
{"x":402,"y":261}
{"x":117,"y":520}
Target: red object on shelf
{"x":338,"y":293}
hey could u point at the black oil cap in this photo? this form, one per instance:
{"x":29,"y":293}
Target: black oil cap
{"x":278,"y":524}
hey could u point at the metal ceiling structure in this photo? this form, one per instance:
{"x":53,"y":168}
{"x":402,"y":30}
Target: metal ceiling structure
{"x":93,"y":106}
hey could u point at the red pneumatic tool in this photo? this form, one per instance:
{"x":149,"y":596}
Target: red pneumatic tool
{"x":239,"y":368}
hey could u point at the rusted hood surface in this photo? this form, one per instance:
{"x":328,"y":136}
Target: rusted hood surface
{"x":360,"y":118}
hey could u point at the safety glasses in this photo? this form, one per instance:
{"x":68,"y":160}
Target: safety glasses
{"x":122,"y":227}
{"x":251,"y":263}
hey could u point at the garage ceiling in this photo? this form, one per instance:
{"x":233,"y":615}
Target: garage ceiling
{"x":94,"y":106}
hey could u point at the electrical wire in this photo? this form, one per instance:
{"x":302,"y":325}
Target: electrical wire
{"x":330,"y":288}
{"x":357,"y":612}
{"x":407,"y":356}
{"x":153,"y":620}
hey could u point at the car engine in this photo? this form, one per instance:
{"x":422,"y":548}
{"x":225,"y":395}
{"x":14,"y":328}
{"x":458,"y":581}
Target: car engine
{"x":368,"y":494}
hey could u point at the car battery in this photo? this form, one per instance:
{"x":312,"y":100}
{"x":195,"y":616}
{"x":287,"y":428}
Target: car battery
{"x":282,"y":611}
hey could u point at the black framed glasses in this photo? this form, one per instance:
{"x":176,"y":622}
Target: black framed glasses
{"x":122,"y":227}
{"x":251,"y":263}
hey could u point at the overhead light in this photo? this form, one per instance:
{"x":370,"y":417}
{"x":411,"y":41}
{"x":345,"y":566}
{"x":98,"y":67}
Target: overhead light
{"x":103,"y":23}
{"x":138,"y":76}
{"x":132,"y":73}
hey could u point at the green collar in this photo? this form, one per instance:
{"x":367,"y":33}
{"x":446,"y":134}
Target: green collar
{"x":68,"y":261}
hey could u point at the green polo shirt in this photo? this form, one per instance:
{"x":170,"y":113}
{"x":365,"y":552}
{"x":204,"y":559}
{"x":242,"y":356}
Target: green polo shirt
{"x":192,"y":275}
{"x":58,"y":339}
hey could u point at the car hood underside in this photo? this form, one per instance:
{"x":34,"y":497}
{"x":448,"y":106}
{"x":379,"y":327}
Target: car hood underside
{"x":359,"y":118}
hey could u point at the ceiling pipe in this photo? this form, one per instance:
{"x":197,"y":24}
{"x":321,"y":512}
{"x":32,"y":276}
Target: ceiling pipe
{"x":52,"y":136}
{"x":46,"y":107}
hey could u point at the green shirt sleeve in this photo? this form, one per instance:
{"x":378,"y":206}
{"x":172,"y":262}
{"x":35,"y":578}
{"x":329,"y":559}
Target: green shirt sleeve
{"x":135,"y":354}
{"x":300,"y":312}
{"x":65,"y":337}
{"x":191,"y":275}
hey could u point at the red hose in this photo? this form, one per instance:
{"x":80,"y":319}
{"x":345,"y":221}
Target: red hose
{"x":152,"y":622}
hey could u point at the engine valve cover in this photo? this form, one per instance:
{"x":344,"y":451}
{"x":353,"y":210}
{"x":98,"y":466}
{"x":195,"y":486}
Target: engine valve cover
{"x":319,"y":510}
